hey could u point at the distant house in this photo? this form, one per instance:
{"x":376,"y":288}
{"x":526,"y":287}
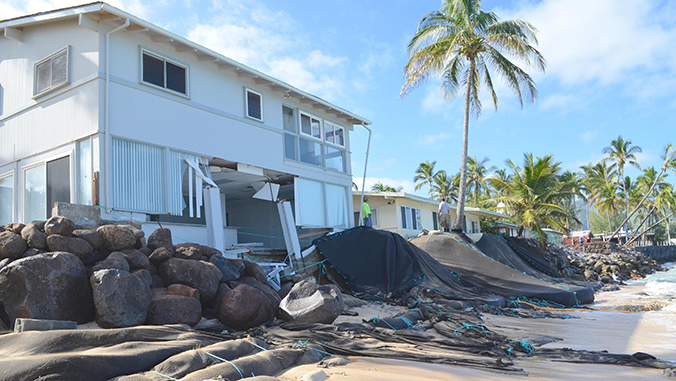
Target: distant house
{"x":99,"y":107}
{"x":408,"y":214}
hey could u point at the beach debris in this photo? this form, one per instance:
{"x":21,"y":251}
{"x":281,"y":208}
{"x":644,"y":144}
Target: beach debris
{"x":51,"y":286}
{"x":23,"y":325}
{"x":121,"y":299}
{"x":311,"y":303}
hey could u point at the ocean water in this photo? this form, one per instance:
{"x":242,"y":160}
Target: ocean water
{"x":661,"y":286}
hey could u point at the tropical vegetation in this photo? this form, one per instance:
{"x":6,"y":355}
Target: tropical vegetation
{"x":465,"y":47}
{"x":538,"y":194}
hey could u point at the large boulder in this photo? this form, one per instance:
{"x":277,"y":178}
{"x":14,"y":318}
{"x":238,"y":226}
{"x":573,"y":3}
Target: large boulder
{"x":59,"y":225}
{"x":255,"y":271}
{"x":12,"y":245}
{"x":210,"y":309}
{"x":136,"y":259}
{"x":228,"y":269}
{"x":77,"y":246}
{"x":15,"y":227}
{"x":121,"y":299}
{"x":50,"y":286}
{"x":145,"y":276}
{"x":116,"y":238}
{"x":115,"y":260}
{"x":189,"y":251}
{"x":168,"y":308}
{"x":161,"y":238}
{"x":90,"y":235}
{"x":310,"y":303}
{"x":244,"y":307}
{"x":160,"y":254}
{"x":203,"y":276}
{"x":34,"y":237}
{"x":271,"y":294}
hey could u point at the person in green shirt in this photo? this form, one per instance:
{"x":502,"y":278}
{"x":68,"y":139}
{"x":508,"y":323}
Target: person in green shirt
{"x":366,"y":213}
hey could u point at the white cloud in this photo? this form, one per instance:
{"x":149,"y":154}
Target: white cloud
{"x":603,"y":41}
{"x":271,"y":41}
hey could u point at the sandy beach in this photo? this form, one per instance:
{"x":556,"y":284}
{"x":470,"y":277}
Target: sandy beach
{"x":608,"y":327}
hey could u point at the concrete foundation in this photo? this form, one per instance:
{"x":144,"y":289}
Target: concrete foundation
{"x":81,"y":215}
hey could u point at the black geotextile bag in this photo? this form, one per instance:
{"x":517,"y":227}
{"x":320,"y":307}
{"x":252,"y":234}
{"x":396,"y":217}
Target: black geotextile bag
{"x":370,"y":259}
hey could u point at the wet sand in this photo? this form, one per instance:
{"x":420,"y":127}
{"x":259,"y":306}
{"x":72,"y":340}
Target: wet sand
{"x":652,"y":332}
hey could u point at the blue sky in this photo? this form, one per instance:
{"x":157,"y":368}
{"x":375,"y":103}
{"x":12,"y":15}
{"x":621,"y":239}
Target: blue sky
{"x":611,"y":71}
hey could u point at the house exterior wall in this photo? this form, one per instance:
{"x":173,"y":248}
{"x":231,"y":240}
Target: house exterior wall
{"x":209,"y":122}
{"x":31,"y":125}
{"x":390,"y":216}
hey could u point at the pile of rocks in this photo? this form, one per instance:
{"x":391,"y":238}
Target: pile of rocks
{"x":53,"y":270}
{"x":603,"y":261}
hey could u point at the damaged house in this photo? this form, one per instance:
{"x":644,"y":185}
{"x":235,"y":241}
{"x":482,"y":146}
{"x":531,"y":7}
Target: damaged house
{"x":99,"y":107}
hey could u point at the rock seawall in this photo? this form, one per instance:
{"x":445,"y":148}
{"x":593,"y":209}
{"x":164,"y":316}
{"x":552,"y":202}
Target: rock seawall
{"x":660,"y":254}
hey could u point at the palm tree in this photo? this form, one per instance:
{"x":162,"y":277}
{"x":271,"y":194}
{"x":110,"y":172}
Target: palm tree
{"x":599,"y":182}
{"x":477,"y":173}
{"x":424,"y":174}
{"x":532,"y":193}
{"x":669,"y":157}
{"x":444,"y":186}
{"x":621,"y":153}
{"x":460,"y":43}
{"x":380,"y":187}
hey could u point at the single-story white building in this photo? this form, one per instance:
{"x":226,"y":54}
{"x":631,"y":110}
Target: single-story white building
{"x":408,"y":214}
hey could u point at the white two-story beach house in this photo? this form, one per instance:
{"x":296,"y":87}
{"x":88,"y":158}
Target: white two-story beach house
{"x":99,"y":107}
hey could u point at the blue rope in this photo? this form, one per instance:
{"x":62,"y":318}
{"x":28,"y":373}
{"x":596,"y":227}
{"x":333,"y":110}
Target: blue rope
{"x":375,"y":320}
{"x":408,"y":323}
{"x":256,"y":345}
{"x":468,"y":327}
{"x":525,"y":344}
{"x":306,"y":267}
{"x":165,"y":376}
{"x":229,"y":362}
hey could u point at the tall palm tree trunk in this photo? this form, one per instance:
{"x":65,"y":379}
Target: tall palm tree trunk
{"x":460,"y":216}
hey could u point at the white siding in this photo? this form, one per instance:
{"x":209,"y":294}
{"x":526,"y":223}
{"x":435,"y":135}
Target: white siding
{"x":29,"y":126}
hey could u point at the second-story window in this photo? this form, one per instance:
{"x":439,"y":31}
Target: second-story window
{"x":161,"y":72}
{"x":313,"y":140}
{"x":254,"y":105}
{"x":51,"y":72}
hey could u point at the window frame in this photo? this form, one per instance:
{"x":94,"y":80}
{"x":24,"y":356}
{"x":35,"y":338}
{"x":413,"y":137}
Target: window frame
{"x":310,"y":136}
{"x":297,"y":134}
{"x":52,"y":87}
{"x":165,"y":60}
{"x":246,"y":104}
{"x":334,"y":126}
{"x":13,"y":176}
